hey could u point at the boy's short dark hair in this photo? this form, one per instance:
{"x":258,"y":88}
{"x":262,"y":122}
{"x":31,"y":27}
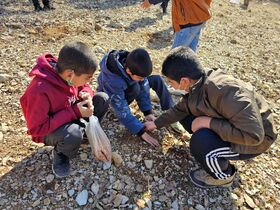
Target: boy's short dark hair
{"x":182,"y":62}
{"x":139,"y":62}
{"x":78,"y":57}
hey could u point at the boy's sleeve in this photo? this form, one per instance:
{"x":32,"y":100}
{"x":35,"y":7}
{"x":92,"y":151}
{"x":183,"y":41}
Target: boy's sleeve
{"x":143,"y":99}
{"x":122,"y":110}
{"x":36,"y":112}
{"x":174,"y":114}
{"x":242,"y":121}
{"x":86,"y":88}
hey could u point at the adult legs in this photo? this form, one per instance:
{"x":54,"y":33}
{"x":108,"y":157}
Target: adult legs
{"x":37,"y":5}
{"x":188,"y":37}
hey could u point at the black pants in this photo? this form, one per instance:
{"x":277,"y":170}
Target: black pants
{"x":36,"y":3}
{"x":157,"y":84}
{"x":68,"y":137}
{"x":212,"y":152}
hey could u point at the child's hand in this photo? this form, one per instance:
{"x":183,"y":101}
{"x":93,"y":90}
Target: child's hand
{"x":86,"y":111}
{"x":149,"y":126}
{"x":85,"y":96}
{"x":146,"y":4}
{"x":150,"y":117}
{"x":152,"y":141}
{"x":201,"y":122}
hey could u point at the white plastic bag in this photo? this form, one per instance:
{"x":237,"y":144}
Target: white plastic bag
{"x":99,"y":142}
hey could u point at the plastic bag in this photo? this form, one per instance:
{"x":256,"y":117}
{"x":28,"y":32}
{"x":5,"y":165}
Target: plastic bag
{"x":99,"y":142}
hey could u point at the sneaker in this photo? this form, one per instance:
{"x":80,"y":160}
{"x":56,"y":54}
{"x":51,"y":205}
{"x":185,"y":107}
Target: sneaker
{"x":47,"y":8}
{"x":202,"y":179}
{"x":177,"y":127}
{"x":61,"y":164}
{"x":38,"y":8}
{"x":164,"y":5}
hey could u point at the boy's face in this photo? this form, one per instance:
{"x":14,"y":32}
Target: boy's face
{"x":134,"y":76}
{"x":173,"y":83}
{"x":75,"y":80}
{"x":82,"y":79}
{"x":183,"y":85}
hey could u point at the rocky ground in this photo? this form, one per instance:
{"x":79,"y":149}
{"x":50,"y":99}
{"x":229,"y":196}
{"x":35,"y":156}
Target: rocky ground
{"x":244,"y":43}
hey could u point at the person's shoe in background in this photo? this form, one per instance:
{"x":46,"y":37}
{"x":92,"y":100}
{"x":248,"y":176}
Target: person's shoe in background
{"x":38,"y":8}
{"x":164,"y":5}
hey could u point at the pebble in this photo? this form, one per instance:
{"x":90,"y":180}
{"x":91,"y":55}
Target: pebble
{"x":148,"y":164}
{"x":117,"y":159}
{"x":234,"y":196}
{"x":118,"y":200}
{"x":1,"y":137}
{"x":106,"y":165}
{"x":175,"y":205}
{"x":157,"y":203}
{"x":141,"y":203}
{"x":71,"y":192}
{"x":50,"y":178}
{"x":139,"y":188}
{"x":249,"y":201}
{"x":36,"y":203}
{"x":162,"y":198}
{"x":47,"y":201}
{"x":82,"y":198}
{"x":124,"y":199}
{"x":95,"y":188}
{"x":3,"y":77}
{"x":83,"y":156}
{"x":199,"y":207}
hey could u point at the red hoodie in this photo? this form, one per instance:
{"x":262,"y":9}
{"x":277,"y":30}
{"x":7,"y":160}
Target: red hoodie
{"x":49,"y":101}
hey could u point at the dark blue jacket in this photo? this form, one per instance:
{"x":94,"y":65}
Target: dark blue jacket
{"x":114,"y":82}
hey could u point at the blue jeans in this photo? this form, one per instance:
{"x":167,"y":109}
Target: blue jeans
{"x":157,"y":84}
{"x":212,"y":152}
{"x":188,"y":37}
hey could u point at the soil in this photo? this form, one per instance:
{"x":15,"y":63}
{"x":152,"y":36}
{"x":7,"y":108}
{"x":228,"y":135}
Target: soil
{"x":242,"y":42}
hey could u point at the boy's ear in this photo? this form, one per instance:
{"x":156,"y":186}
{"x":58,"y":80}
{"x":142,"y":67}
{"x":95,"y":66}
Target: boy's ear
{"x":185,"y":81}
{"x":128,"y":71}
{"x":68,"y":73}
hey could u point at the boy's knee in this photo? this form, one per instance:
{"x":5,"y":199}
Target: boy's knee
{"x":74,"y":137}
{"x":101,"y":100}
{"x":199,"y":141}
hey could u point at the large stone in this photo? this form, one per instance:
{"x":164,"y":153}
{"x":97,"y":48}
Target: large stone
{"x":82,"y":198}
{"x":117,"y":159}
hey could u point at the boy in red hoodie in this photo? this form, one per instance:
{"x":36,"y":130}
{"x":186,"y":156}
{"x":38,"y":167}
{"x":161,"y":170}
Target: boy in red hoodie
{"x":57,"y":99}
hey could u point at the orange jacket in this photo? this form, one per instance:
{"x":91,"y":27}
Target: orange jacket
{"x":189,"y":11}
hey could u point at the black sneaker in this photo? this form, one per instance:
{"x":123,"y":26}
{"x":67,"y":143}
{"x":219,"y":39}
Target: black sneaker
{"x":38,"y":8}
{"x":48,"y":7}
{"x":61,"y":164}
